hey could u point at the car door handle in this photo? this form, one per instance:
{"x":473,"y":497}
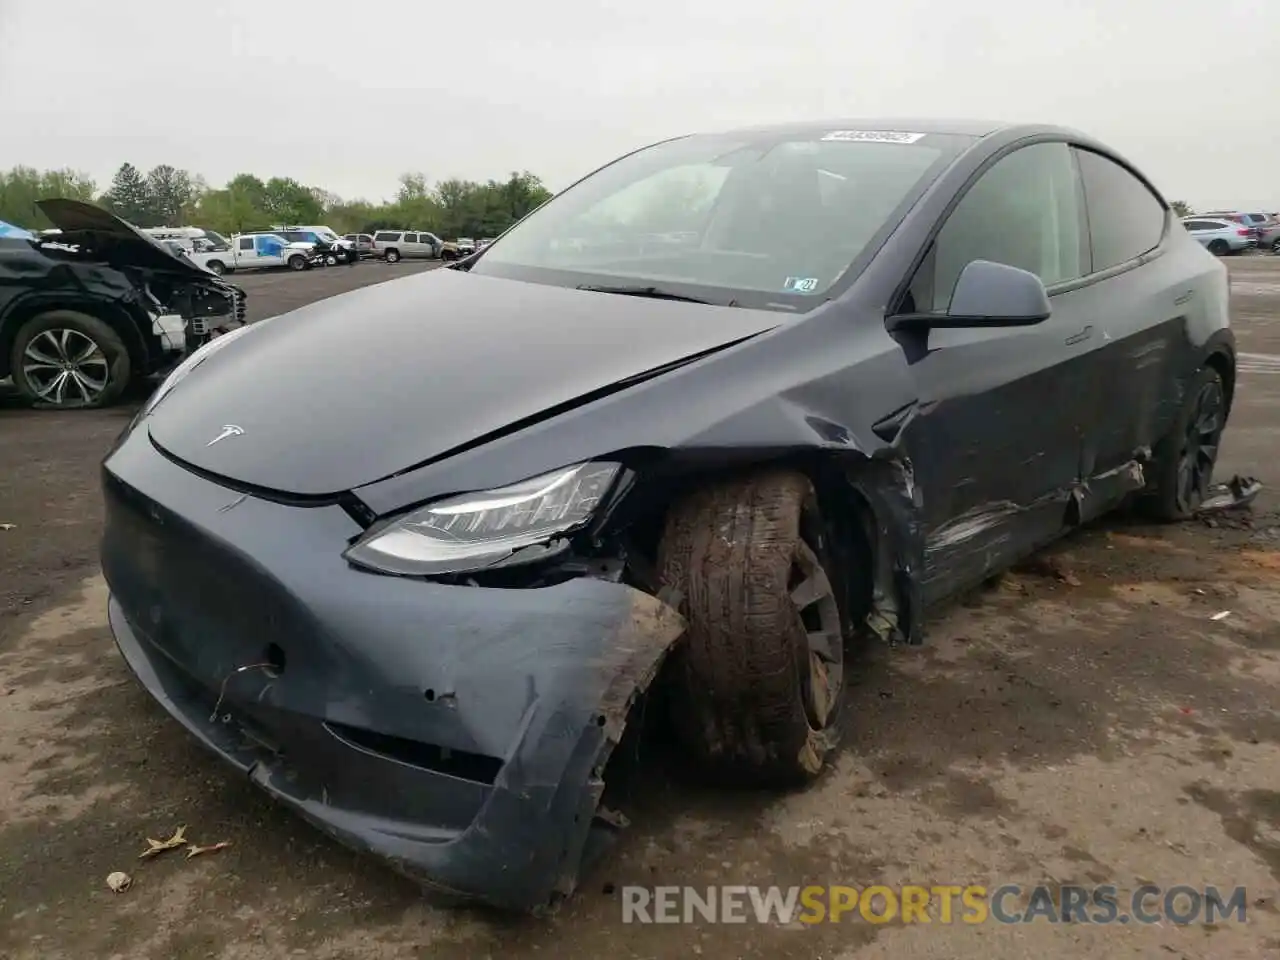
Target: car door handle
{"x":1080,"y":337}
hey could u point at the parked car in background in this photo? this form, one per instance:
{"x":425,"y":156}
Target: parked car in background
{"x":258,"y":251}
{"x":485,"y":242}
{"x":1269,"y":234}
{"x":466,"y":246}
{"x":90,"y":309}
{"x":1221,"y":236}
{"x":363,"y":242}
{"x":327,"y":244}
{"x":394,"y":245}
{"x":1252,"y":221}
{"x":895,"y":362}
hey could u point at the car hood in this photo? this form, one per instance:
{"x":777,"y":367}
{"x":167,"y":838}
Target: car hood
{"x":356,"y":388}
{"x":114,"y":237}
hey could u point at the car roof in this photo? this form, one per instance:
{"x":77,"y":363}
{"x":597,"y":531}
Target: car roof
{"x":970,"y":128}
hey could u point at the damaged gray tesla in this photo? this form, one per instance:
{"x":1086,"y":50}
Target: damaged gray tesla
{"x":408,"y":557}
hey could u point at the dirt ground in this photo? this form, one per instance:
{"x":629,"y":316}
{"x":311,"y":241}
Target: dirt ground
{"x":1086,"y":720}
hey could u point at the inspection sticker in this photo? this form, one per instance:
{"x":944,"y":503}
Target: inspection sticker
{"x":800,"y":284}
{"x":874,"y":136}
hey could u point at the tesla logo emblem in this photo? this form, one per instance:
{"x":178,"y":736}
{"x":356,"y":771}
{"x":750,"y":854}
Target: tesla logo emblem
{"x":229,"y":430}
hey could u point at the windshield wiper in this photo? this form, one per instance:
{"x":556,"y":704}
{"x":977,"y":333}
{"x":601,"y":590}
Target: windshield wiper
{"x":653,"y":293}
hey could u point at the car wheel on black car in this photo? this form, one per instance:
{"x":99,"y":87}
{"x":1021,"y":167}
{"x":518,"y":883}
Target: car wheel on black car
{"x":1219,"y":248}
{"x":69,"y":360}
{"x":1185,"y":458}
{"x":760,"y":674}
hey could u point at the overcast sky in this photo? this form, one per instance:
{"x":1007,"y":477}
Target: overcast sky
{"x":349,"y":95}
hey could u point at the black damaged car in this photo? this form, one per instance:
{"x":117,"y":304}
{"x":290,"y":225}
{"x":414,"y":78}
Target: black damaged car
{"x":691,"y":427}
{"x":97,"y":305}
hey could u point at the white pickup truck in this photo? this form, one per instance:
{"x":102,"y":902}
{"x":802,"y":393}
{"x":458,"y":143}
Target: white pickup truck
{"x":256,"y":251}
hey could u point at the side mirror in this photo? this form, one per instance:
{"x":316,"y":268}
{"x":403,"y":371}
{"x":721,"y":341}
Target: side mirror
{"x":987,"y":295}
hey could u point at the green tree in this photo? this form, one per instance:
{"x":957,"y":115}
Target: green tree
{"x":285,"y":201}
{"x":128,"y":197}
{"x":169,"y":192}
{"x":21,"y":187}
{"x":1181,"y":208}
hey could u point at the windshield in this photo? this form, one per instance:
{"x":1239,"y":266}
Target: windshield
{"x":731,"y":219}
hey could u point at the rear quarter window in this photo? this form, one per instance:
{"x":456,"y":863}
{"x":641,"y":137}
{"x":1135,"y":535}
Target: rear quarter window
{"x":386,"y":237}
{"x":1126,"y":219}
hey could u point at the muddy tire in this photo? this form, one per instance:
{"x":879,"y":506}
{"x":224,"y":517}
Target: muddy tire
{"x":1185,"y":458}
{"x":758,"y":679}
{"x":68,"y":360}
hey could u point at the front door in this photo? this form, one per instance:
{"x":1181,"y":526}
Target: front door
{"x":995,"y":440}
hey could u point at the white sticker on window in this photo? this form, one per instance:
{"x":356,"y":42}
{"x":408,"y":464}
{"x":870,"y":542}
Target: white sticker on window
{"x":800,"y":284}
{"x":874,"y":136}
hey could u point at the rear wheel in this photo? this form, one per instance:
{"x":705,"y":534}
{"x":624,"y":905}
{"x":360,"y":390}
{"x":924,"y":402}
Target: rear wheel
{"x":1219,"y":248}
{"x":393,"y":256}
{"x":1185,"y":458}
{"x":68,"y":360}
{"x":760,"y":678}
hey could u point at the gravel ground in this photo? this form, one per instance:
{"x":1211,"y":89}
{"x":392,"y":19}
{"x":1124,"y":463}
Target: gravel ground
{"x":1085,"y":720}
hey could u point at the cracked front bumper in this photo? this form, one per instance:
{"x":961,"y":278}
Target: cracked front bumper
{"x":460,"y":733}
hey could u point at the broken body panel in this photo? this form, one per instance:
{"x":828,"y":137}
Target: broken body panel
{"x":947,"y":455}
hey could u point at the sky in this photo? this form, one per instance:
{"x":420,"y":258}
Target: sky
{"x":349,"y":95}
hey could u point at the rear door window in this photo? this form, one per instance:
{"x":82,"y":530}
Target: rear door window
{"x":1126,"y":219}
{"x":385,"y":236}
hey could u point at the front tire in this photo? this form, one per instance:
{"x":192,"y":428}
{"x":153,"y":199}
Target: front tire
{"x":1219,"y":248}
{"x":760,"y":676}
{"x":67,"y":360}
{"x":297,"y":262}
{"x":218,"y":267}
{"x":1185,"y":458}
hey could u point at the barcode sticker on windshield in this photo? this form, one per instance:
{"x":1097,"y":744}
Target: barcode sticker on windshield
{"x":873,"y":136}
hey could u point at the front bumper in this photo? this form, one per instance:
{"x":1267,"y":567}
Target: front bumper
{"x":458,"y":732}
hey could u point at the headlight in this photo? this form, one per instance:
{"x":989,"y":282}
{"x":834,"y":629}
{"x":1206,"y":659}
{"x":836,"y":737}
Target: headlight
{"x":192,"y":361}
{"x":478,"y":530}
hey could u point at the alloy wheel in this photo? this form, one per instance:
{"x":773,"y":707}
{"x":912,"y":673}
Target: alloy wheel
{"x":815,"y":604}
{"x":1200,"y":446}
{"x":65,"y":366}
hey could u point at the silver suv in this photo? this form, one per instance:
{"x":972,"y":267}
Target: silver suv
{"x":394,"y":245}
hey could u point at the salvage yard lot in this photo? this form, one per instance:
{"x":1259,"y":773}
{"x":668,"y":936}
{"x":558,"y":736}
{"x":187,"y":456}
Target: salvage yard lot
{"x":1083,"y":720}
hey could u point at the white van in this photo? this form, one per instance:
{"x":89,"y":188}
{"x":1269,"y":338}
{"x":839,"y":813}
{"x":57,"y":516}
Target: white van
{"x":196,"y":239}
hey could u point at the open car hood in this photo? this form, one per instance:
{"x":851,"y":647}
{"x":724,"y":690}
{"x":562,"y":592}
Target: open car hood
{"x":353,"y":389}
{"x":115,"y":239}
